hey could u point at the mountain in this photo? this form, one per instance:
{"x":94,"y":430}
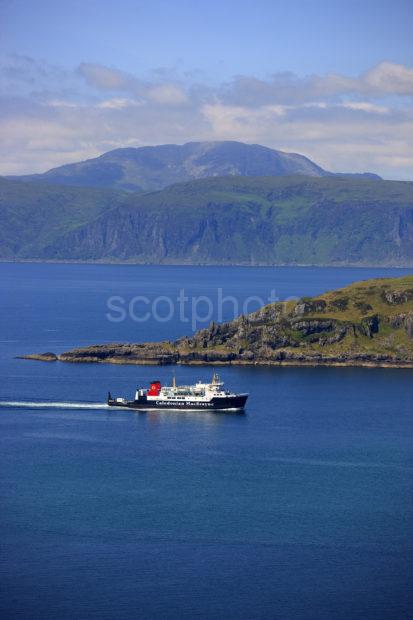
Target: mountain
{"x":229,"y":220}
{"x":155,"y":167}
{"x":33,"y":215}
{"x":246,"y":220}
{"x":365,"y":324}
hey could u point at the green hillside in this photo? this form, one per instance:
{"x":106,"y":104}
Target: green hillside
{"x":368,"y":323}
{"x":254,"y":220}
{"x":222,"y":220}
{"x":34,"y":215}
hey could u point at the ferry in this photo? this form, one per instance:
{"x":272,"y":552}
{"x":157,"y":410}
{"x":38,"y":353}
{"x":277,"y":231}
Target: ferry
{"x":201,"y":396}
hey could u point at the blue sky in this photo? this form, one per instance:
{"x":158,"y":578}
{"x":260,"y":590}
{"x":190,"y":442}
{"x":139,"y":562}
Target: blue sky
{"x":218,"y":38}
{"x":332,"y":80}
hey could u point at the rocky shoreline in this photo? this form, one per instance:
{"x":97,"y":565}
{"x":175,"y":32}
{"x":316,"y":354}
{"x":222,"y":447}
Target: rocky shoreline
{"x":368,"y":324}
{"x":376,"y":362}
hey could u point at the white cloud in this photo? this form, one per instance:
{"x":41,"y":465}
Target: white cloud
{"x":167,"y":94}
{"x":104,"y":78}
{"x":366,"y":106}
{"x":50,"y":116}
{"x":108,"y":79}
{"x":382,"y":80}
{"x":341,"y":137}
{"x":118,"y":103}
{"x":61,"y":103}
{"x":390,"y":78}
{"x":231,"y":121}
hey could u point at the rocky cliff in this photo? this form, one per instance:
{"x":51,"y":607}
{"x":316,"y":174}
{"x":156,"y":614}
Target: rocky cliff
{"x":366,"y":324}
{"x":295,"y":220}
{"x":253,"y":220}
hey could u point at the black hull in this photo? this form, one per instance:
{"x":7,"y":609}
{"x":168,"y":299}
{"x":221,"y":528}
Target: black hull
{"x":217,"y":404}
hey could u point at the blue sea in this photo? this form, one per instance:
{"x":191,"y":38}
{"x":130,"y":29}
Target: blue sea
{"x":300,"y":508}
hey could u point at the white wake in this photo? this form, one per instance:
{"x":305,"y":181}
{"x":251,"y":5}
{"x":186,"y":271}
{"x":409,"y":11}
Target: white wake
{"x":51,"y":405}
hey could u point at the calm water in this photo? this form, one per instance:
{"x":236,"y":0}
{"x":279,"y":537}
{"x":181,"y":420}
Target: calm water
{"x":299,"y":509}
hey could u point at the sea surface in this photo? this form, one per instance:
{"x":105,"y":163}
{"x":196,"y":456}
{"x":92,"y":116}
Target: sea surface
{"x":301,"y":508}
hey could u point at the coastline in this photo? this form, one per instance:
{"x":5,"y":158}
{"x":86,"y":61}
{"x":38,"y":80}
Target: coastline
{"x":48,"y":357}
{"x":367,"y":324}
{"x":180,"y":263}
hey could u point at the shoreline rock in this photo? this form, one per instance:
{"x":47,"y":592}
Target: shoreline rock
{"x":40,"y":357}
{"x":287,"y":362}
{"x":368,"y":324}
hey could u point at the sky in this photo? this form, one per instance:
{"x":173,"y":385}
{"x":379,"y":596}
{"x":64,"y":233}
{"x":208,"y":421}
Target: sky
{"x":332,"y":80}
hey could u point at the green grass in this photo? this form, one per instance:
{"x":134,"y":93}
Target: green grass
{"x":244,"y":220}
{"x":34,"y":215}
{"x":388,"y":338}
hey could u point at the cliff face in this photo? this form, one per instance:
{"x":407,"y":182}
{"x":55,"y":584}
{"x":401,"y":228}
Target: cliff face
{"x":226,"y":220}
{"x":255,"y":220}
{"x":33,"y":215}
{"x":367,"y":324}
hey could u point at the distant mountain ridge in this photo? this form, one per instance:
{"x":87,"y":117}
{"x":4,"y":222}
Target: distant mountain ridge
{"x":150,"y":168}
{"x":298,"y":220}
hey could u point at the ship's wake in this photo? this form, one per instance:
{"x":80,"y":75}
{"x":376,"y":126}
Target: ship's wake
{"x":23,"y":404}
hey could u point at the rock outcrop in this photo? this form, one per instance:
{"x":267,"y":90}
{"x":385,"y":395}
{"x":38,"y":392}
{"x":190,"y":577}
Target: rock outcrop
{"x":354,"y":326}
